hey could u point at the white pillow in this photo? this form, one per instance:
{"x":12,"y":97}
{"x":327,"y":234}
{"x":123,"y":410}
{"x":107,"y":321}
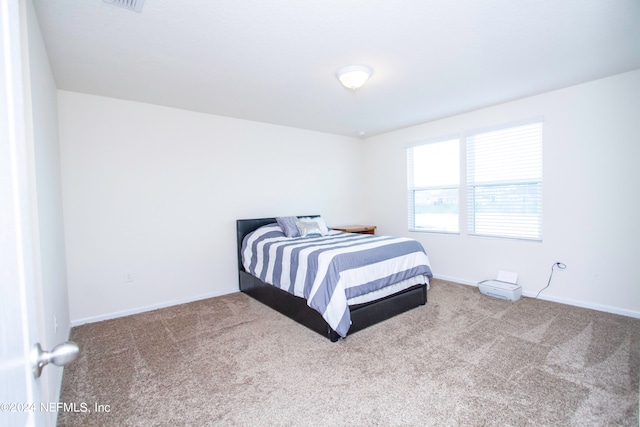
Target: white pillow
{"x":309,"y":229}
{"x":322,"y":225}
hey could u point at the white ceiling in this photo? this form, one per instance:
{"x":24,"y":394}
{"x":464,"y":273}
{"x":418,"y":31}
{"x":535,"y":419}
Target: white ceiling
{"x":274,"y":61}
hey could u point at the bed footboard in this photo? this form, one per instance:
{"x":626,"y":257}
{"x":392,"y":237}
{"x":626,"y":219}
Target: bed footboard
{"x":290,"y":305}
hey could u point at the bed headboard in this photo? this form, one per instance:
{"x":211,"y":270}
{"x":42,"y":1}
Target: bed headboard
{"x":246,"y":226}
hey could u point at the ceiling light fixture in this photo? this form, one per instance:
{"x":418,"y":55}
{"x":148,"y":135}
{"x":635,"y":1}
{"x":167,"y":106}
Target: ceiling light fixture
{"x":135,"y":5}
{"x":354,"y":76}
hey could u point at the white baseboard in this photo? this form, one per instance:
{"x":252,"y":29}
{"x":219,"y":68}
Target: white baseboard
{"x":455,"y":280}
{"x":576,"y":303}
{"x":138,"y":310}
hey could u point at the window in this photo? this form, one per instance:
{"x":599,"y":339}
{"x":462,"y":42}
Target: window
{"x":501,"y":185}
{"x":504,"y":182}
{"x":433,"y":175}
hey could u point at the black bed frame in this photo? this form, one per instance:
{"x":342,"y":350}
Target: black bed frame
{"x":296,"y":308}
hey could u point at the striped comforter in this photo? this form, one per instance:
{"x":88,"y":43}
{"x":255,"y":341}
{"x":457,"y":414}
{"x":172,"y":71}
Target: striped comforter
{"x":328,"y":270}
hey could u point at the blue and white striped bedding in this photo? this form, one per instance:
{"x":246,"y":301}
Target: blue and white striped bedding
{"x":329,"y":270}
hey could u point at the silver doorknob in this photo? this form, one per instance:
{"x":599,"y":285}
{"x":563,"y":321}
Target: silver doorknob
{"x":59,"y":356}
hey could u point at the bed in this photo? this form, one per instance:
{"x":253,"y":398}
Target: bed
{"x":360,"y":311}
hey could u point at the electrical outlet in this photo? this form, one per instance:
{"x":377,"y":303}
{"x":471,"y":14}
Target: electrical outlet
{"x":128,"y":276}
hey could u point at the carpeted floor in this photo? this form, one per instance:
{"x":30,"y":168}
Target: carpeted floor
{"x":462,"y":360}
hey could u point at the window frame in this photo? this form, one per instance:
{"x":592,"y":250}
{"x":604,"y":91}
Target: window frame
{"x":412,"y":189}
{"x":466,"y":189}
{"x":471,"y":186}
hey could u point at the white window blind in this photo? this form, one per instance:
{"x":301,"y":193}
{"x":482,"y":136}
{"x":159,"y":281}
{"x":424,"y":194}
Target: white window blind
{"x":433,"y":177}
{"x":504,"y":182}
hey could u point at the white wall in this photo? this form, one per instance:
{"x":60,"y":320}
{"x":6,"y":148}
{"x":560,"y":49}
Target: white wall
{"x":51,"y":277}
{"x":591,"y":177}
{"x":156,"y":191}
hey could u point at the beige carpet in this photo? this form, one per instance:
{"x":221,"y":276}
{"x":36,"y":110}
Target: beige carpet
{"x":462,"y":360}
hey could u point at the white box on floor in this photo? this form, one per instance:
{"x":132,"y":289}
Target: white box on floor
{"x":499,"y":289}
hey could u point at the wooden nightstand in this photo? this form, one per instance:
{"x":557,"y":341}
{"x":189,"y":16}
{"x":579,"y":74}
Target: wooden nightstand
{"x":361,"y":229}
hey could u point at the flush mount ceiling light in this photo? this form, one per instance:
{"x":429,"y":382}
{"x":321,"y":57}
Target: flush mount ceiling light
{"x":135,"y":5}
{"x":354,"y":76}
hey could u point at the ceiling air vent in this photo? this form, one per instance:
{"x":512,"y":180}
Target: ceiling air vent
{"x":127,"y":4}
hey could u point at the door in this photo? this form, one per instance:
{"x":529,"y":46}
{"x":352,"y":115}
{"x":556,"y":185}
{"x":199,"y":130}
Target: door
{"x":19,"y":389}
